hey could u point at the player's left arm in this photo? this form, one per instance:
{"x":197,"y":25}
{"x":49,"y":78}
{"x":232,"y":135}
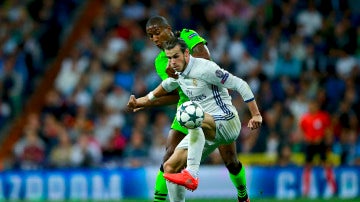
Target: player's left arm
{"x":220,"y":77}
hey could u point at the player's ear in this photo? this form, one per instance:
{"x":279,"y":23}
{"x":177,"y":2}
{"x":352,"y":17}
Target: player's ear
{"x":168,"y":30}
{"x":187,"y":53}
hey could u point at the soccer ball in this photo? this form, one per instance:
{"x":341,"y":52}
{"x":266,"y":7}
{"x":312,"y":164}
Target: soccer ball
{"x":190,"y":115}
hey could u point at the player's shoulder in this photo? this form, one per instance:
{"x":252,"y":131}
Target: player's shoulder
{"x":201,"y":62}
{"x":188,"y":33}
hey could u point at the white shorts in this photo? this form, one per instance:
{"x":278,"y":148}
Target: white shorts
{"x":227,"y":131}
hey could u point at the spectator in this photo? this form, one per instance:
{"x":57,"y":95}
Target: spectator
{"x":349,"y":148}
{"x":96,"y":77}
{"x":30,"y":151}
{"x":288,"y":66}
{"x":160,"y":129}
{"x":12,"y":85}
{"x":116,"y":99}
{"x":72,"y":68}
{"x":85,"y":152}
{"x":50,"y":130}
{"x":114,"y":148}
{"x":309,"y":20}
{"x":293,"y":56}
{"x":60,"y":154}
{"x":5,"y":112}
{"x":136,"y":151}
{"x":284,"y":156}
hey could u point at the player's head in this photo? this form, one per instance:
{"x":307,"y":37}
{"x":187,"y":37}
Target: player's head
{"x":178,"y":53}
{"x":158,"y":30}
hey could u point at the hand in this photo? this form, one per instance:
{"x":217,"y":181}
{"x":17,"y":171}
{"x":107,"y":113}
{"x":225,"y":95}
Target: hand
{"x":255,"y":122}
{"x":171,"y":72}
{"x":132,"y":104}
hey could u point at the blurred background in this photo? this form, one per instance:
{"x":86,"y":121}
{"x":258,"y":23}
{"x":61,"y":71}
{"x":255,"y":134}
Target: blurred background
{"x":67,"y":69}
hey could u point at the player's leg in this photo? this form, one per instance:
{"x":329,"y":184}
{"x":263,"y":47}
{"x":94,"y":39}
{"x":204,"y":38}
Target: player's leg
{"x":229,"y":133}
{"x":235,"y":168}
{"x":176,"y":192}
{"x":197,"y":142}
{"x":173,"y":165}
{"x":194,"y":142}
{"x":176,"y":134}
{"x":177,"y":161}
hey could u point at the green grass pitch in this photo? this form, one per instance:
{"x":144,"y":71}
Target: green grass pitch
{"x":221,"y":200}
{"x":261,"y":200}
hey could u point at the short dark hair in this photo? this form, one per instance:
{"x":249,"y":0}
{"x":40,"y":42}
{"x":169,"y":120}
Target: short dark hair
{"x":157,"y":20}
{"x":171,"y":43}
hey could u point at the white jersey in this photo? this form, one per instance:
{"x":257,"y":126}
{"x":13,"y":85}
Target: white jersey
{"x":204,"y":82}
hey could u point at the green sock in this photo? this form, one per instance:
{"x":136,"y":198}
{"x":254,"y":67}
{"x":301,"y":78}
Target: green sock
{"x":239,"y":181}
{"x":160,"y":187}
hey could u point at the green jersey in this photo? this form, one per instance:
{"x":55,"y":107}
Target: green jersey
{"x":191,"y":38}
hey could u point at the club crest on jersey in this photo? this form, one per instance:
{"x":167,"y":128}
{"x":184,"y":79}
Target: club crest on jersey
{"x":194,"y":82}
{"x":219,"y":73}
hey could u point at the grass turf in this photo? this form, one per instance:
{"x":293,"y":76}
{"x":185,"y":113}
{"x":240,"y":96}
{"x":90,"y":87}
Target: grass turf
{"x":218,"y":200}
{"x":259,"y":200}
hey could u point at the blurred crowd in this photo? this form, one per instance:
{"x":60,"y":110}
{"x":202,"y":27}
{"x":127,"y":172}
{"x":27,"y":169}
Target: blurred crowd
{"x":291,"y":52}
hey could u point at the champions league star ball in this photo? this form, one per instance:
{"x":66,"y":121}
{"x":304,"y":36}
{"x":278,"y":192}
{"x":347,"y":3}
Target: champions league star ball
{"x":190,"y":115}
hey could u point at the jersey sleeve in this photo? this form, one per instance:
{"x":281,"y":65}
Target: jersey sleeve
{"x":191,"y":38}
{"x":220,"y":77}
{"x":169,"y":84}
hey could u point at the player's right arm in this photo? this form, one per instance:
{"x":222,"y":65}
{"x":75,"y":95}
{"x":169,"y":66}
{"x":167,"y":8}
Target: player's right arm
{"x":137,"y":104}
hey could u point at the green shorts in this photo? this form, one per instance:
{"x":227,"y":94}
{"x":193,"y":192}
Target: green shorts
{"x":176,"y":126}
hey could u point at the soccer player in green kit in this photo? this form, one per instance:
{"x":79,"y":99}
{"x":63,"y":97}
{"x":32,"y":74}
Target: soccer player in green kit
{"x":159,"y":31}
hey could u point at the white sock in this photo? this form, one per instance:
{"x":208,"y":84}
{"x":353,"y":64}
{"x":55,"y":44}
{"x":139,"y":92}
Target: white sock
{"x":176,"y":192}
{"x":195,"y":149}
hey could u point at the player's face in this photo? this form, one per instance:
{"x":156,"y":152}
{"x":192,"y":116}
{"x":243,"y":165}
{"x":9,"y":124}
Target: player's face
{"x":158,"y":34}
{"x":177,"y":59}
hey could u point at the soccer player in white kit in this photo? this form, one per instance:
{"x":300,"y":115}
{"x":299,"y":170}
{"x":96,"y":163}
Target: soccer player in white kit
{"x":204,"y":82}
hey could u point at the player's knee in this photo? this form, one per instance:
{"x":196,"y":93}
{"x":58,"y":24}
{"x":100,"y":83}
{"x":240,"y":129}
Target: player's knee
{"x":234,"y":166}
{"x":169,"y":168}
{"x":230,"y":159}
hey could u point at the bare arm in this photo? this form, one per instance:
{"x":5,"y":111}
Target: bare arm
{"x":201,"y":51}
{"x":256,"y":120}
